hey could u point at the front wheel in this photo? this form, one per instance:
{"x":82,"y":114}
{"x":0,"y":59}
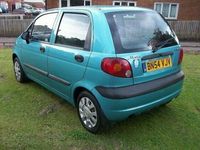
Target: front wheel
{"x":19,"y":73}
{"x":90,"y":113}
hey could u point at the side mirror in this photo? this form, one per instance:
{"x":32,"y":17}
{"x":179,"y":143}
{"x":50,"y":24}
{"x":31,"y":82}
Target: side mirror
{"x":26,"y":36}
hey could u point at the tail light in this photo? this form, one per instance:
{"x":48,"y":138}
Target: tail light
{"x":180,"y":56}
{"x":118,"y":67}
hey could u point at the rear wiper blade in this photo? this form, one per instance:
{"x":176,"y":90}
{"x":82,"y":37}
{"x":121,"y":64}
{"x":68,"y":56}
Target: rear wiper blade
{"x":160,"y":45}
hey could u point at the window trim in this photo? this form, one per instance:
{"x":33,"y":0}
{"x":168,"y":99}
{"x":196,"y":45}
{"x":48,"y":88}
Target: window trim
{"x":170,"y":4}
{"x":89,"y":40}
{"x":128,"y":3}
{"x":87,"y":1}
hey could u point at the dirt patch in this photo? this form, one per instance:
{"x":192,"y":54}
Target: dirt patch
{"x":2,"y":77}
{"x":50,"y":109}
{"x":198,"y":109}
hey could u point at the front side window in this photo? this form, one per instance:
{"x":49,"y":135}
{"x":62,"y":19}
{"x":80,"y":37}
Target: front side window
{"x":43,"y":26}
{"x":74,"y":31}
{"x":138,"y":30}
{"x":168,"y":10}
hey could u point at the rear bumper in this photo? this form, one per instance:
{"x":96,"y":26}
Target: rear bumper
{"x":140,"y":89}
{"x":139,"y":100}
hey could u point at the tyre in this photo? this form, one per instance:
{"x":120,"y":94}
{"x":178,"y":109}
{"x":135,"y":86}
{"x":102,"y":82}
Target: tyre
{"x":19,"y":73}
{"x":90,"y":113}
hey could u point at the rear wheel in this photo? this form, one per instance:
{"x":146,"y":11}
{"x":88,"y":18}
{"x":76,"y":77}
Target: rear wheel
{"x":19,"y":73}
{"x":90,"y":113}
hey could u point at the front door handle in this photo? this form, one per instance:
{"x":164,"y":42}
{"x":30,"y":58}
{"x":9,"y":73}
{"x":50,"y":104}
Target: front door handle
{"x":79,"y":58}
{"x":42,"y":49}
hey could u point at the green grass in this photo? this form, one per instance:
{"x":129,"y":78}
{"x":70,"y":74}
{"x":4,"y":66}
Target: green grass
{"x":28,"y":122}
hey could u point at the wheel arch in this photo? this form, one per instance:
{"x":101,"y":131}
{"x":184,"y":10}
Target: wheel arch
{"x":76,"y":93}
{"x":83,"y":85}
{"x":14,"y":55}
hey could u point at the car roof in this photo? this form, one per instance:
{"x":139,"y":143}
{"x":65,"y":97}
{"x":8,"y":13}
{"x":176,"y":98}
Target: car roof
{"x":104,"y":9}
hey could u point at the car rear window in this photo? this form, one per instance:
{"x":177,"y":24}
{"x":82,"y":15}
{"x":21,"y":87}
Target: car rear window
{"x":134,"y":31}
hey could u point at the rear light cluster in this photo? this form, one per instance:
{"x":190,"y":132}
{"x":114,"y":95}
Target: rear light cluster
{"x":180,"y":56}
{"x":118,"y":67}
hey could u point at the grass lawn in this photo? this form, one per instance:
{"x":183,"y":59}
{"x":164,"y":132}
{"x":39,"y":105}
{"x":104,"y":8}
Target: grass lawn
{"x":33,"y":118}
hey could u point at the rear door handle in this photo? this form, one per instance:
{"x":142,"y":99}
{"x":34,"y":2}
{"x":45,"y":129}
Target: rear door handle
{"x":42,"y":49}
{"x":79,"y":58}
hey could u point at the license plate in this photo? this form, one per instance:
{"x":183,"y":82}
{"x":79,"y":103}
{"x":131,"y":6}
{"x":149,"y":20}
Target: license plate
{"x":154,"y":65}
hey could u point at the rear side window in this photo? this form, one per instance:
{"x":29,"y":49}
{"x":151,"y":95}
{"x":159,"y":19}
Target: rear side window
{"x":43,"y":26}
{"x":134,"y":31}
{"x":74,"y":31}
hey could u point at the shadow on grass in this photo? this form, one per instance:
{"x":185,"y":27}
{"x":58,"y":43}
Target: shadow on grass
{"x":148,"y":120}
{"x":142,"y":121}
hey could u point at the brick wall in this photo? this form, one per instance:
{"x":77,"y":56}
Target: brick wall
{"x":52,"y":4}
{"x":188,"y":9}
{"x":102,"y":2}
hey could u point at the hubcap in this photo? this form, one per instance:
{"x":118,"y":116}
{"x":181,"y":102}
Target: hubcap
{"x":88,"y":113}
{"x":17,"y":70}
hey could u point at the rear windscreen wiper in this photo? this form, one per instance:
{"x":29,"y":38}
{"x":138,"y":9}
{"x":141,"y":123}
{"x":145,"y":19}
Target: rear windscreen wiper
{"x":161,"y":44}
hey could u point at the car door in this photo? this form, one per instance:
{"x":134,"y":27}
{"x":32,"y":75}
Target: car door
{"x":68,"y":57}
{"x":34,"y":52}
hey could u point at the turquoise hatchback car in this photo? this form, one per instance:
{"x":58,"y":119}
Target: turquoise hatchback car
{"x":109,"y":62}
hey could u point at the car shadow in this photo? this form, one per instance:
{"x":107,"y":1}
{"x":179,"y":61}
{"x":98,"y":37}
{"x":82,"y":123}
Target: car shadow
{"x":145,"y":121}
